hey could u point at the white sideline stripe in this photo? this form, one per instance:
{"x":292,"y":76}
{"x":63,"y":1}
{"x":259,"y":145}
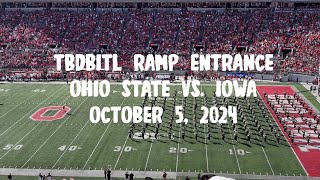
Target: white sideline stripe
{"x":145,"y":167}
{"x":52,"y":134}
{"x":100,"y":138}
{"x":83,"y":173}
{"x":29,"y":112}
{"x":285,"y":136}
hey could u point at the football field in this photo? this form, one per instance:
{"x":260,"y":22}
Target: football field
{"x":73,"y":142}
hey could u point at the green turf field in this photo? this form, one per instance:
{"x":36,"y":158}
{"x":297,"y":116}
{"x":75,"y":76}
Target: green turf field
{"x":75,"y":143}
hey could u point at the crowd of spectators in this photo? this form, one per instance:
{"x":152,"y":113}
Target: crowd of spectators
{"x":29,"y":39}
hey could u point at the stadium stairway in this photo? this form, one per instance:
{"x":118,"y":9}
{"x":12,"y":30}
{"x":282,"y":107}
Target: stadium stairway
{"x":94,"y":31}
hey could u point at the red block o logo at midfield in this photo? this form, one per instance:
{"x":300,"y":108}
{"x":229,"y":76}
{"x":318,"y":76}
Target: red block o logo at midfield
{"x":40,"y":114}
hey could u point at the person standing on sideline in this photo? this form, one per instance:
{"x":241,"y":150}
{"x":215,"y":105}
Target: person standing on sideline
{"x":131,"y":176}
{"x":109,"y":174}
{"x":49,"y":177}
{"x":164,"y":175}
{"x":10,"y":176}
{"x":40,"y":177}
{"x":105,"y":172}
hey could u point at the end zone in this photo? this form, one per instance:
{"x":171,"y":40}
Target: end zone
{"x":310,"y":158}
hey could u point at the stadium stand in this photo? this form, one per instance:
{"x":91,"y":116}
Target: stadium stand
{"x":30,"y":37}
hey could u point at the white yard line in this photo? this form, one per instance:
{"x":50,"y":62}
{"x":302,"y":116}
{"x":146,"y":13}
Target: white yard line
{"x":16,"y":105}
{"x":267,"y":160}
{"x":19,"y":141}
{"x":21,"y":90}
{"x":69,"y":145}
{"x":274,"y":119}
{"x":24,"y":137}
{"x":125,"y":142}
{"x":265,"y":155}
{"x":234,"y":148}
{"x":96,"y":146}
{"x":205,"y":142}
{"x":29,"y":112}
{"x":100,"y":139}
{"x":145,"y":167}
{"x":53,"y":134}
{"x":178,"y":149}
